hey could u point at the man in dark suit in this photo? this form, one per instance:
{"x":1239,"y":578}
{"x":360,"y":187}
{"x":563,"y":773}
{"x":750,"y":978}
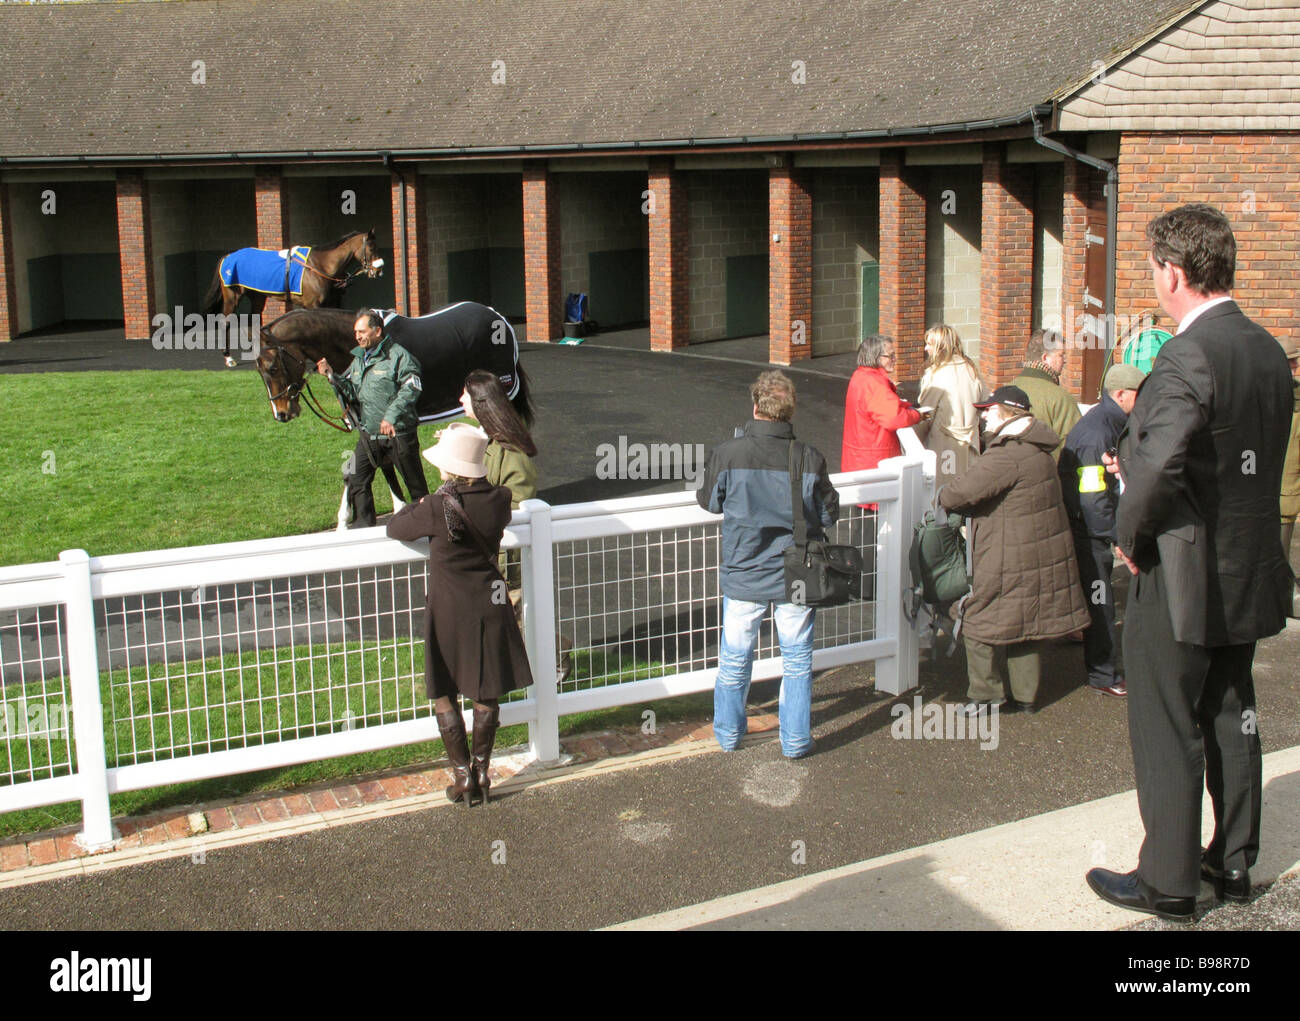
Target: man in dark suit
{"x":1201,"y":465}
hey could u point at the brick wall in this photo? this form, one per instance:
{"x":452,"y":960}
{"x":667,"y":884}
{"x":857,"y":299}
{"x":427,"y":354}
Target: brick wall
{"x":728,"y":214}
{"x":953,"y":265}
{"x":411,"y":264}
{"x":542,"y":254}
{"x":1080,"y":184}
{"x":1007,"y":247}
{"x":1048,"y":254}
{"x":272,"y":208}
{"x":846,"y":234}
{"x":134,"y":230}
{"x":902,"y":261}
{"x":8,"y":283}
{"x":669,"y":284}
{"x":790,"y":244}
{"x":1251,"y":178}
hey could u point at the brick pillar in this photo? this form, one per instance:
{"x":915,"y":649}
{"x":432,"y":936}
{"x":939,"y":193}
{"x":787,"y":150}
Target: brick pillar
{"x":135,"y":246}
{"x":410,"y":264}
{"x":789,"y":259}
{"x":542,"y":298}
{"x":902,"y":263}
{"x":669,"y":234}
{"x":272,"y":221}
{"x":1006,"y":266}
{"x":8,"y":289}
{"x":1074,"y":256}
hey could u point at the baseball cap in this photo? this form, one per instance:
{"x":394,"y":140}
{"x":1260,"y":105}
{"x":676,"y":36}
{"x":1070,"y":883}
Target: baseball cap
{"x":1012,"y":396}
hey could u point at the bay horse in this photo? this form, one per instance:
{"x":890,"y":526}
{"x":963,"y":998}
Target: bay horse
{"x":321,"y":276}
{"x":448,"y":344}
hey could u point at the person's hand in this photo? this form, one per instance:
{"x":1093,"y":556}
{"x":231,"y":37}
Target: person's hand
{"x":323,"y":367}
{"x":1132,"y":567}
{"x":386,"y":428}
{"x":1112,"y":466}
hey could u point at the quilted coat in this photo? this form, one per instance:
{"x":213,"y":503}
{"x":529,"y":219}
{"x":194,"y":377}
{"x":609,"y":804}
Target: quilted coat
{"x":873,"y":414}
{"x":1026,"y":585}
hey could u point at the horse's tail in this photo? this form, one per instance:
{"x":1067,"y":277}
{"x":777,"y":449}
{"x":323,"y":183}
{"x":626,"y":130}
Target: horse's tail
{"x":522,"y":400}
{"x":212,"y":303}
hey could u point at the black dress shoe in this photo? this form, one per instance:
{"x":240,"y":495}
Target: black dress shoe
{"x":1128,"y":891}
{"x":1233,"y":885}
{"x":1026,"y":707}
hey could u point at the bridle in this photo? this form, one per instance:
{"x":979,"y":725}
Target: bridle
{"x":343,"y":281}
{"x":303,"y":390}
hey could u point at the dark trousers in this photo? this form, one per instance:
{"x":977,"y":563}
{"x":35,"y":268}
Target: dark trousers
{"x":1100,"y":648}
{"x":402,"y":450}
{"x":1192,"y":723}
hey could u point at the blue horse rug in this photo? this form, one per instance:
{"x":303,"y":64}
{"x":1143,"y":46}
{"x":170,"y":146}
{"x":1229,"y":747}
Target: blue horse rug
{"x":263,"y":269}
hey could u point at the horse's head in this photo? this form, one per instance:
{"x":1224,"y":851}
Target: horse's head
{"x":369,"y":257}
{"x":282,"y":369}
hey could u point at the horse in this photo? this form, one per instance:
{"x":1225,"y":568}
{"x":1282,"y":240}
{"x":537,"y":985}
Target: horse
{"x":448,"y":344}
{"x":316,"y":272}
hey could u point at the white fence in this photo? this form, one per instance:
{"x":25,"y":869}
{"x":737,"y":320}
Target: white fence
{"x":125,"y":672}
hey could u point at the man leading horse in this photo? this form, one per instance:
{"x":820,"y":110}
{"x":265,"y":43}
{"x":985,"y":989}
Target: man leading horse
{"x":383,"y":381}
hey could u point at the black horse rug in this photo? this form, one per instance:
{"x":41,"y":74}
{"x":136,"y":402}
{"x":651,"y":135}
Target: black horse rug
{"x":449,"y":344}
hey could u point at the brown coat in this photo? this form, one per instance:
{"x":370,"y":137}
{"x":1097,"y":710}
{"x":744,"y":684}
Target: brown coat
{"x":472,"y":643}
{"x":1026,"y":584}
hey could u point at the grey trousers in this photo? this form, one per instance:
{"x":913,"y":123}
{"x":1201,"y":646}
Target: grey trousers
{"x":987,"y":665}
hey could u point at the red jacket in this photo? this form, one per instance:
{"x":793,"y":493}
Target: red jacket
{"x":873,"y":414}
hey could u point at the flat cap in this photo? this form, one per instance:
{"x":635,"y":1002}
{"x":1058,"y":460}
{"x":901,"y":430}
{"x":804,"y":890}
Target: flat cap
{"x":1123,"y":377}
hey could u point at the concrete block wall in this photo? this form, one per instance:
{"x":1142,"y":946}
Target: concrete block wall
{"x":727,"y":215}
{"x":1049,"y":256}
{"x":465,"y":211}
{"x":598,"y":212}
{"x":846,"y":233}
{"x":33,"y":235}
{"x":953,"y":263}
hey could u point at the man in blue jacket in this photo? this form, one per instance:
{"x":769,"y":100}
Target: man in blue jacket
{"x":747,"y":481}
{"x":1091,"y":496}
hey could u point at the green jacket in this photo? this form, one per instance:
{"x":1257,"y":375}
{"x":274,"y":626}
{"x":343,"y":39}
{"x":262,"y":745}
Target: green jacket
{"x":386,"y":385}
{"x":1050,"y":403}
{"x":513,"y":469}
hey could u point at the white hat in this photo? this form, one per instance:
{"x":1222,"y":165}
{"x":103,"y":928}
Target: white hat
{"x":459,"y":451}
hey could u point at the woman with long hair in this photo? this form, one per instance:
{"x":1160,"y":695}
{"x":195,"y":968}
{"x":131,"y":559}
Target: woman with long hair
{"x":951,"y":385}
{"x":510,"y":453}
{"x":473,"y":647}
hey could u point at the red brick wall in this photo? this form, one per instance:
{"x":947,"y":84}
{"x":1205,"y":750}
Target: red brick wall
{"x":1006,"y":265}
{"x":1252,"y":178}
{"x":902,"y":262}
{"x":410,"y":264}
{"x":272,"y":220}
{"x":136,"y":250}
{"x":669,"y":286}
{"x":543,"y":302}
{"x":789,"y":265}
{"x":8,"y":291}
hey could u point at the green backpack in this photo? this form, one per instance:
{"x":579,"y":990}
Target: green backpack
{"x":938,"y":562}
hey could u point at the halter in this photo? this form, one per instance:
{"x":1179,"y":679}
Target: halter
{"x":339,"y":281}
{"x":309,"y":398}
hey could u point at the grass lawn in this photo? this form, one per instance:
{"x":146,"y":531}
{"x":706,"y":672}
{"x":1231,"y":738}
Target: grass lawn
{"x":115,"y":462}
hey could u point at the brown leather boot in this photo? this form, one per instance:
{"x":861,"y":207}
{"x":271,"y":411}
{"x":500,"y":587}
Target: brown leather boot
{"x":486,"y":720}
{"x":452,"y":729}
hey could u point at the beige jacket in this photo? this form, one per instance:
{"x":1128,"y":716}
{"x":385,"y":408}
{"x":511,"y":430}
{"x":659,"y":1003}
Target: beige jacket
{"x":953,"y":433}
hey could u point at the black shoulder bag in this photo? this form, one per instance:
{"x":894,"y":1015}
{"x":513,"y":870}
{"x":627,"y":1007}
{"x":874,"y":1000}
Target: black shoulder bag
{"x":817,"y":573}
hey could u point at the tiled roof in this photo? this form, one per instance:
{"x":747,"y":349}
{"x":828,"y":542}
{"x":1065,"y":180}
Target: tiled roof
{"x":104,"y":79}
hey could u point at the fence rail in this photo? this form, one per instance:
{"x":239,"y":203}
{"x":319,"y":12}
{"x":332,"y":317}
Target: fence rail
{"x":131,"y":671}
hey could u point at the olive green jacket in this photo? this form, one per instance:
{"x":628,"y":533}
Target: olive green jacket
{"x":1291,"y":466}
{"x":386,"y":386}
{"x":513,"y":469}
{"x":1050,"y":403}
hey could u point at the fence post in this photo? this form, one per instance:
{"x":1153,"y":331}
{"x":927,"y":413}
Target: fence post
{"x":538,"y":570}
{"x":87,"y":708}
{"x":898,"y":673}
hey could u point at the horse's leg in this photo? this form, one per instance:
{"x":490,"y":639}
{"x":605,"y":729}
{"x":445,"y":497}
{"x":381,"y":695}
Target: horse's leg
{"x":345,"y":511}
{"x":229,"y":302}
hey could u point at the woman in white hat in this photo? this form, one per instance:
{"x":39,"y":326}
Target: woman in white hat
{"x":472,"y":643}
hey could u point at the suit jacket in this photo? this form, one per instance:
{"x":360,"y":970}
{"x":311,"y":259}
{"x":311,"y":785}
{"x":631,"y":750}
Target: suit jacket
{"x":1201,"y":458}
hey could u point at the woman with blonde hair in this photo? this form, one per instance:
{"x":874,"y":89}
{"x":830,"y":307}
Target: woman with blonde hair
{"x":951,"y":385}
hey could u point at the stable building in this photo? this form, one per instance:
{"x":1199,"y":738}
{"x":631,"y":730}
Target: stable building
{"x":810,"y":174}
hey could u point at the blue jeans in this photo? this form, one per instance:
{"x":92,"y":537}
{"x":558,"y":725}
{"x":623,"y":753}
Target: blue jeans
{"x":794,"y":629}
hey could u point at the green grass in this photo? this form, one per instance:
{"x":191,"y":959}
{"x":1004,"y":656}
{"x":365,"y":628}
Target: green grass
{"x":115,"y":462}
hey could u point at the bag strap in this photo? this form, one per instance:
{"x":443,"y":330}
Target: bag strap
{"x":481,"y":542}
{"x":796,"y":502}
